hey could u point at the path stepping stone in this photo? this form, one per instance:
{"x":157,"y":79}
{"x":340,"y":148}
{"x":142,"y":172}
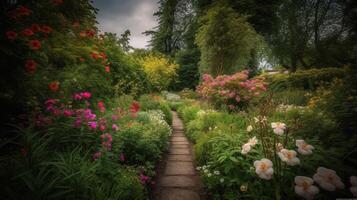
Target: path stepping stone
{"x":178,"y":179}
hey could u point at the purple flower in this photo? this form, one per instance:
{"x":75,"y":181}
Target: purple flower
{"x":92,"y":125}
{"x":144,"y":179}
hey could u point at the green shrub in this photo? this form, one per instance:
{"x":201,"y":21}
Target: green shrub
{"x":147,"y":102}
{"x":304,"y":79}
{"x":188,"y":113}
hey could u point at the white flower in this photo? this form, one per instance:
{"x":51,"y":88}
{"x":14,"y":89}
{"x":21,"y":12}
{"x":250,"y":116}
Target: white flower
{"x":278,"y":127}
{"x":256,"y":119}
{"x":253,"y":141}
{"x":304,"y":148}
{"x":221,"y":180}
{"x":305,"y":188}
{"x":249,"y":128}
{"x":246,"y":148}
{"x":264,"y":168}
{"x":209,"y":175}
{"x":198,"y":168}
{"x":216,"y":172}
{"x":328,"y":179}
{"x":205,"y":171}
{"x":279,"y":146}
{"x":353,"y":188}
{"x":204,"y":167}
{"x":289,"y":156}
{"x":243,"y":188}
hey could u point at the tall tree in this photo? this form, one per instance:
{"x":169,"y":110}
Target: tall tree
{"x":225,"y":40}
{"x":313,"y":33}
{"x":124,"y":41}
{"x":174,"y":17}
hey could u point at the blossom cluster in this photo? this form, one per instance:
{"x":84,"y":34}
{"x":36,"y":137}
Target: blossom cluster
{"x":326,"y":179}
{"x":232,"y":90}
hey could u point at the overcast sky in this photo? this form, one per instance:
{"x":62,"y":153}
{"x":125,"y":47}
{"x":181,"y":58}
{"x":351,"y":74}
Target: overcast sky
{"x":136,"y":15}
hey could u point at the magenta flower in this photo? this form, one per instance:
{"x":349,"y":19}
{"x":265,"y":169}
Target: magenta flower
{"x":78,"y":122}
{"x":86,"y":95}
{"x":68,"y":113}
{"x":101,"y":106}
{"x":115,"y":127}
{"x":77,"y":96}
{"x":143,"y":179}
{"x":92,"y":125}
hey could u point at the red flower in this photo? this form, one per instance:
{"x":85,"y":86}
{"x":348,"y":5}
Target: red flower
{"x":90,"y":33}
{"x":107,"y":69}
{"x":46,"y":29}
{"x":11,"y":35}
{"x":82,"y":59}
{"x":27,"y":32}
{"x":135,"y":107}
{"x":35,"y":28}
{"x":103,"y":55}
{"x":57,"y":2}
{"x":54,"y":86}
{"x":22,"y":11}
{"x":31,"y":66}
{"x":34,"y":44}
{"x":94,"y":55}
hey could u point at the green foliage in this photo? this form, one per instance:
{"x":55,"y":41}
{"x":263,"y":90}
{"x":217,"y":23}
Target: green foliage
{"x":225,"y":40}
{"x":159,"y":69}
{"x":304,"y":79}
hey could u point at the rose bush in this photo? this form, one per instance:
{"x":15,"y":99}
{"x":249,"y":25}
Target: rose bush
{"x":234,"y":91}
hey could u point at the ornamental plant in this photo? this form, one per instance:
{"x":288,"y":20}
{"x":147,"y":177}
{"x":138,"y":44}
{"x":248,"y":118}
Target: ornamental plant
{"x":234,"y":91}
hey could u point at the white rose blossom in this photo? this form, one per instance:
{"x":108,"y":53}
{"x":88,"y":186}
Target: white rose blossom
{"x":328,"y":179}
{"x":289,"y":157}
{"x":246,"y":148}
{"x":304,"y":148}
{"x":304,"y":187}
{"x":278,"y":128}
{"x":264,"y":168}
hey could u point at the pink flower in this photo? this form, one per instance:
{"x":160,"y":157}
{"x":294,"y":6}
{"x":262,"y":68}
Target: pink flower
{"x":77,"y":96}
{"x":97,"y":155}
{"x":115,"y":117}
{"x":144,"y":179}
{"x":101,"y":106}
{"x":68,"y":113}
{"x":102,"y":127}
{"x":115,"y":127}
{"x":122,"y":157}
{"x":78,"y":122}
{"x":107,"y":140}
{"x":92,"y":125}
{"x":86,"y":95}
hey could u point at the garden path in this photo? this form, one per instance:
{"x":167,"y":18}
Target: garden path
{"x":177,"y":179}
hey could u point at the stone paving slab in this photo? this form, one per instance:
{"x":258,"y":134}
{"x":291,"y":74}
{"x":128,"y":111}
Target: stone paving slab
{"x":179,"y":168}
{"x":179,"y":151}
{"x":180,"y":146}
{"x":177,"y":181}
{"x":178,"y":139}
{"x":184,"y":158}
{"x":179,"y":142}
{"x":179,"y":194}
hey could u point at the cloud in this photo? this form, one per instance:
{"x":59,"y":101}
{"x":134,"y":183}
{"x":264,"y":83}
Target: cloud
{"x":136,"y":15}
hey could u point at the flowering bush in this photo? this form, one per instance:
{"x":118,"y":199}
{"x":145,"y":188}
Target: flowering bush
{"x":231,"y":90}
